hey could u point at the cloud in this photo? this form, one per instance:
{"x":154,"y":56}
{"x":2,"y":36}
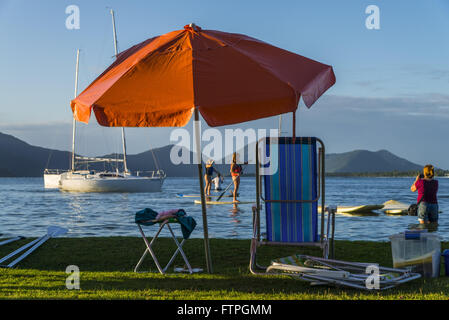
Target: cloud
{"x":413,"y":127}
{"x":428,"y":72}
{"x":431,"y":105}
{"x":33,"y":126}
{"x":365,"y":83}
{"x":398,"y":79}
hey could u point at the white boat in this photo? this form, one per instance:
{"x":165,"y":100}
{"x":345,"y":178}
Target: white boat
{"x":51,"y":178}
{"x":106,"y":181}
{"x":90,"y":181}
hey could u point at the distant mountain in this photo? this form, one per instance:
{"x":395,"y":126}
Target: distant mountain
{"x":363,"y":161}
{"x":20,"y":159}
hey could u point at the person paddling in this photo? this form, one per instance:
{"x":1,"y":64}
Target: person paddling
{"x":236,"y":172}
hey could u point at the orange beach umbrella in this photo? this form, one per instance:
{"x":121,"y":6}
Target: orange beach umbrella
{"x":228,"y":78}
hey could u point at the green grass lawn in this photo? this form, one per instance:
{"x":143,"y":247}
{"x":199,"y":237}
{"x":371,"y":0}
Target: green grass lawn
{"x":106,"y":272}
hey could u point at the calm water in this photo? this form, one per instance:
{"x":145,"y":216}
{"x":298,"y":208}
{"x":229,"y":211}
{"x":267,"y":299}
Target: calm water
{"x":27,"y":209}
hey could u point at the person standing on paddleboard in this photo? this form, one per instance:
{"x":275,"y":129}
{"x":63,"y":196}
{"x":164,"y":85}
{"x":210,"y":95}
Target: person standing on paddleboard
{"x":427,"y":188}
{"x":236,"y":172}
{"x":208,"y":176}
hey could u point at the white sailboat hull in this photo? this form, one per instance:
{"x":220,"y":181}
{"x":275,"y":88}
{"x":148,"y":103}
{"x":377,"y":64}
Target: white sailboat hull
{"x":51,"y":180}
{"x":52,"y":177}
{"x":110,"y":184}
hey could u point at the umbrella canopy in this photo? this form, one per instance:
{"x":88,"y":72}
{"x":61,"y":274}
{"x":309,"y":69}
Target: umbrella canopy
{"x":230,"y":78}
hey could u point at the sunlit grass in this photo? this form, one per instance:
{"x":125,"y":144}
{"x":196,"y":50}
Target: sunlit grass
{"x":106,"y":266}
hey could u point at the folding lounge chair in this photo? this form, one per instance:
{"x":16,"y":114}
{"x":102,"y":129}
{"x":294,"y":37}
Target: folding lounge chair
{"x":148,"y":217}
{"x":319,"y":271}
{"x":291,"y":195}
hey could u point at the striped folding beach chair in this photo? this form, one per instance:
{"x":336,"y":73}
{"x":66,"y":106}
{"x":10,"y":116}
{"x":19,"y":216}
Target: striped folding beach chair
{"x":291,"y":173}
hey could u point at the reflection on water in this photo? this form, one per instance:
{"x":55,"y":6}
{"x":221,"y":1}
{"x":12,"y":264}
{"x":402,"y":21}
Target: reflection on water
{"x":430,"y":227}
{"x":27,"y":209}
{"x":235,"y":213}
{"x":236,"y":208}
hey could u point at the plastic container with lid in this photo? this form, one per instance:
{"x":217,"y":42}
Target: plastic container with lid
{"x":417,"y":250}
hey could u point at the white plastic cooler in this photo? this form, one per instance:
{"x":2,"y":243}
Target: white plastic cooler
{"x":417,"y":250}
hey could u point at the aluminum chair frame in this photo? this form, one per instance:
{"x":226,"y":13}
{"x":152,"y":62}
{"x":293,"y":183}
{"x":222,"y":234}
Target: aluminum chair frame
{"x":326,"y":240}
{"x":150,"y":250}
{"x":344,"y":273}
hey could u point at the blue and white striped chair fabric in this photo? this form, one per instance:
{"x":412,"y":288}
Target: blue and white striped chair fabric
{"x":295,"y":180}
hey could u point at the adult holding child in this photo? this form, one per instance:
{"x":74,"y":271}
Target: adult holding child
{"x":427,"y":188}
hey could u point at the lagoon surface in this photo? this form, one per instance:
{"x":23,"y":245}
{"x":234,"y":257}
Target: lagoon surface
{"x":27,"y":209}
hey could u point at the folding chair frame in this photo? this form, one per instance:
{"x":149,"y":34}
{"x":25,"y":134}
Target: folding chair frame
{"x":343,"y":273}
{"x":149,"y":248}
{"x":325,"y":240}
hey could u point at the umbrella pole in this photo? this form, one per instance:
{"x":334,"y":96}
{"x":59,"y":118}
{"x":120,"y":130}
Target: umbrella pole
{"x":203,"y":197}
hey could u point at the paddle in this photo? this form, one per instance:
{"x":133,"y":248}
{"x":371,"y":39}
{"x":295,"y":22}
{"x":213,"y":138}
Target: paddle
{"x":222,"y":194}
{"x":232,"y":182}
{"x":11,"y":240}
{"x":52,"y":231}
{"x":12,"y":254}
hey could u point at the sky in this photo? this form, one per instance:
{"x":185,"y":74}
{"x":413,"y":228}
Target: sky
{"x":392,"y":88}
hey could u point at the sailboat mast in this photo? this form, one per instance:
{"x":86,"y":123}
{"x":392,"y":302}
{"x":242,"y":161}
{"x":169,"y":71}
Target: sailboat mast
{"x":125,"y":166}
{"x":114,"y":33}
{"x":74,"y":121}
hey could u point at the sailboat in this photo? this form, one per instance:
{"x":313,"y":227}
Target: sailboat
{"x":106,"y":181}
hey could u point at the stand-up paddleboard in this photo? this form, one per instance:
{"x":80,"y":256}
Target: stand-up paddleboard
{"x":225,"y":202}
{"x":180,"y":195}
{"x":362,"y":209}
{"x":393,"y":207}
{"x":367,"y":209}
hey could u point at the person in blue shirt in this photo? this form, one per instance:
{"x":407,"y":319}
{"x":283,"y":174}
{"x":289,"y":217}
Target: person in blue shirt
{"x":210,"y":170}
